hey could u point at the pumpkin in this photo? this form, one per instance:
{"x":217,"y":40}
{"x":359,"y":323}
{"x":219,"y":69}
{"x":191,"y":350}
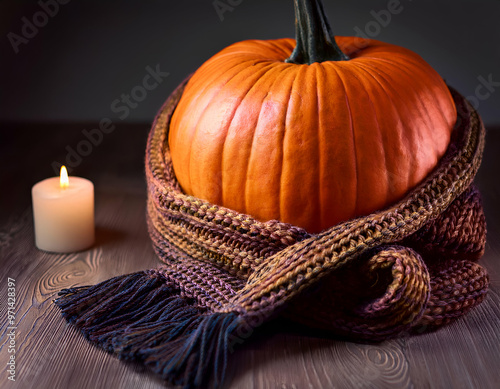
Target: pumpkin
{"x":311,"y":131}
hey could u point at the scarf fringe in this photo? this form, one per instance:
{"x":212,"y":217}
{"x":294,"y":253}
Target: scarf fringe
{"x":141,"y":317}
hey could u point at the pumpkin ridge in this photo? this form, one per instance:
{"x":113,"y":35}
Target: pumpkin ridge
{"x":269,"y":70}
{"x":314,"y":122}
{"x":396,"y":114}
{"x":425,"y":109}
{"x":376,"y":49}
{"x":385,"y":85}
{"x":199,"y":95}
{"x":252,"y":47}
{"x":274,"y":72}
{"x":274,"y":44}
{"x":206,"y":70}
{"x":228,"y":128}
{"x":414,"y":135}
{"x":366,"y":83}
{"x":397,"y":58}
{"x":301,"y":153}
{"x":286,"y":135}
{"x":286,"y":70}
{"x":320,"y":142}
{"x":438,"y":102}
{"x":332,"y":148}
{"x":263,"y":70}
{"x":436,"y":78}
{"x":353,"y":132}
{"x":370,"y":193}
{"x":287,"y":48}
{"x":280,"y":189}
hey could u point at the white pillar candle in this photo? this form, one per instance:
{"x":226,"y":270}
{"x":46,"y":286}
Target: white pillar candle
{"x":63,"y":212}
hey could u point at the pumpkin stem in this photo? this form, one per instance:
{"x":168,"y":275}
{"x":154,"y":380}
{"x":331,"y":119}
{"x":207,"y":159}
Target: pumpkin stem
{"x":315,"y":41}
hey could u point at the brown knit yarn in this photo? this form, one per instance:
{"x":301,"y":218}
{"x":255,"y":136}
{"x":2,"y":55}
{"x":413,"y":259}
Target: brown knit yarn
{"x":441,"y":254}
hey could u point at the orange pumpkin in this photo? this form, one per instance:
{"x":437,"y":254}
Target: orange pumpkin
{"x":314,"y":137}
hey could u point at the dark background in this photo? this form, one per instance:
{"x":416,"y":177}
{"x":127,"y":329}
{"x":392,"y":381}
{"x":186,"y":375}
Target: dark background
{"x":92,"y":51}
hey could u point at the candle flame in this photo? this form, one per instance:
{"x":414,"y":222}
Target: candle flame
{"x":64,"y":180}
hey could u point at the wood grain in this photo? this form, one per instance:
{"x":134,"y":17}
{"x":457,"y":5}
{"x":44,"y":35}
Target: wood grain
{"x":52,"y":355}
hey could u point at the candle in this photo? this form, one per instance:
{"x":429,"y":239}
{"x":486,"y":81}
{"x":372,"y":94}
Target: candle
{"x":63,"y":212}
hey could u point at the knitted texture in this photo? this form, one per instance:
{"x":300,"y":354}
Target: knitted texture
{"x":407,"y":268}
{"x":441,"y":223}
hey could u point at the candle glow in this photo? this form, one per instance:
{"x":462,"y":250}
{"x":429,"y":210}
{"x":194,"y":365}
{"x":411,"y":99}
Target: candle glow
{"x":63,"y":177}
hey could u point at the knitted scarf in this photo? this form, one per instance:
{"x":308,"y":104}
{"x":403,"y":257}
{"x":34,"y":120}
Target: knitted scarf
{"x":408,"y":268}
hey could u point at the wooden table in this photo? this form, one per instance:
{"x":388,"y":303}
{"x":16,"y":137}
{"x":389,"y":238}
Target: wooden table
{"x":51,"y":354}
